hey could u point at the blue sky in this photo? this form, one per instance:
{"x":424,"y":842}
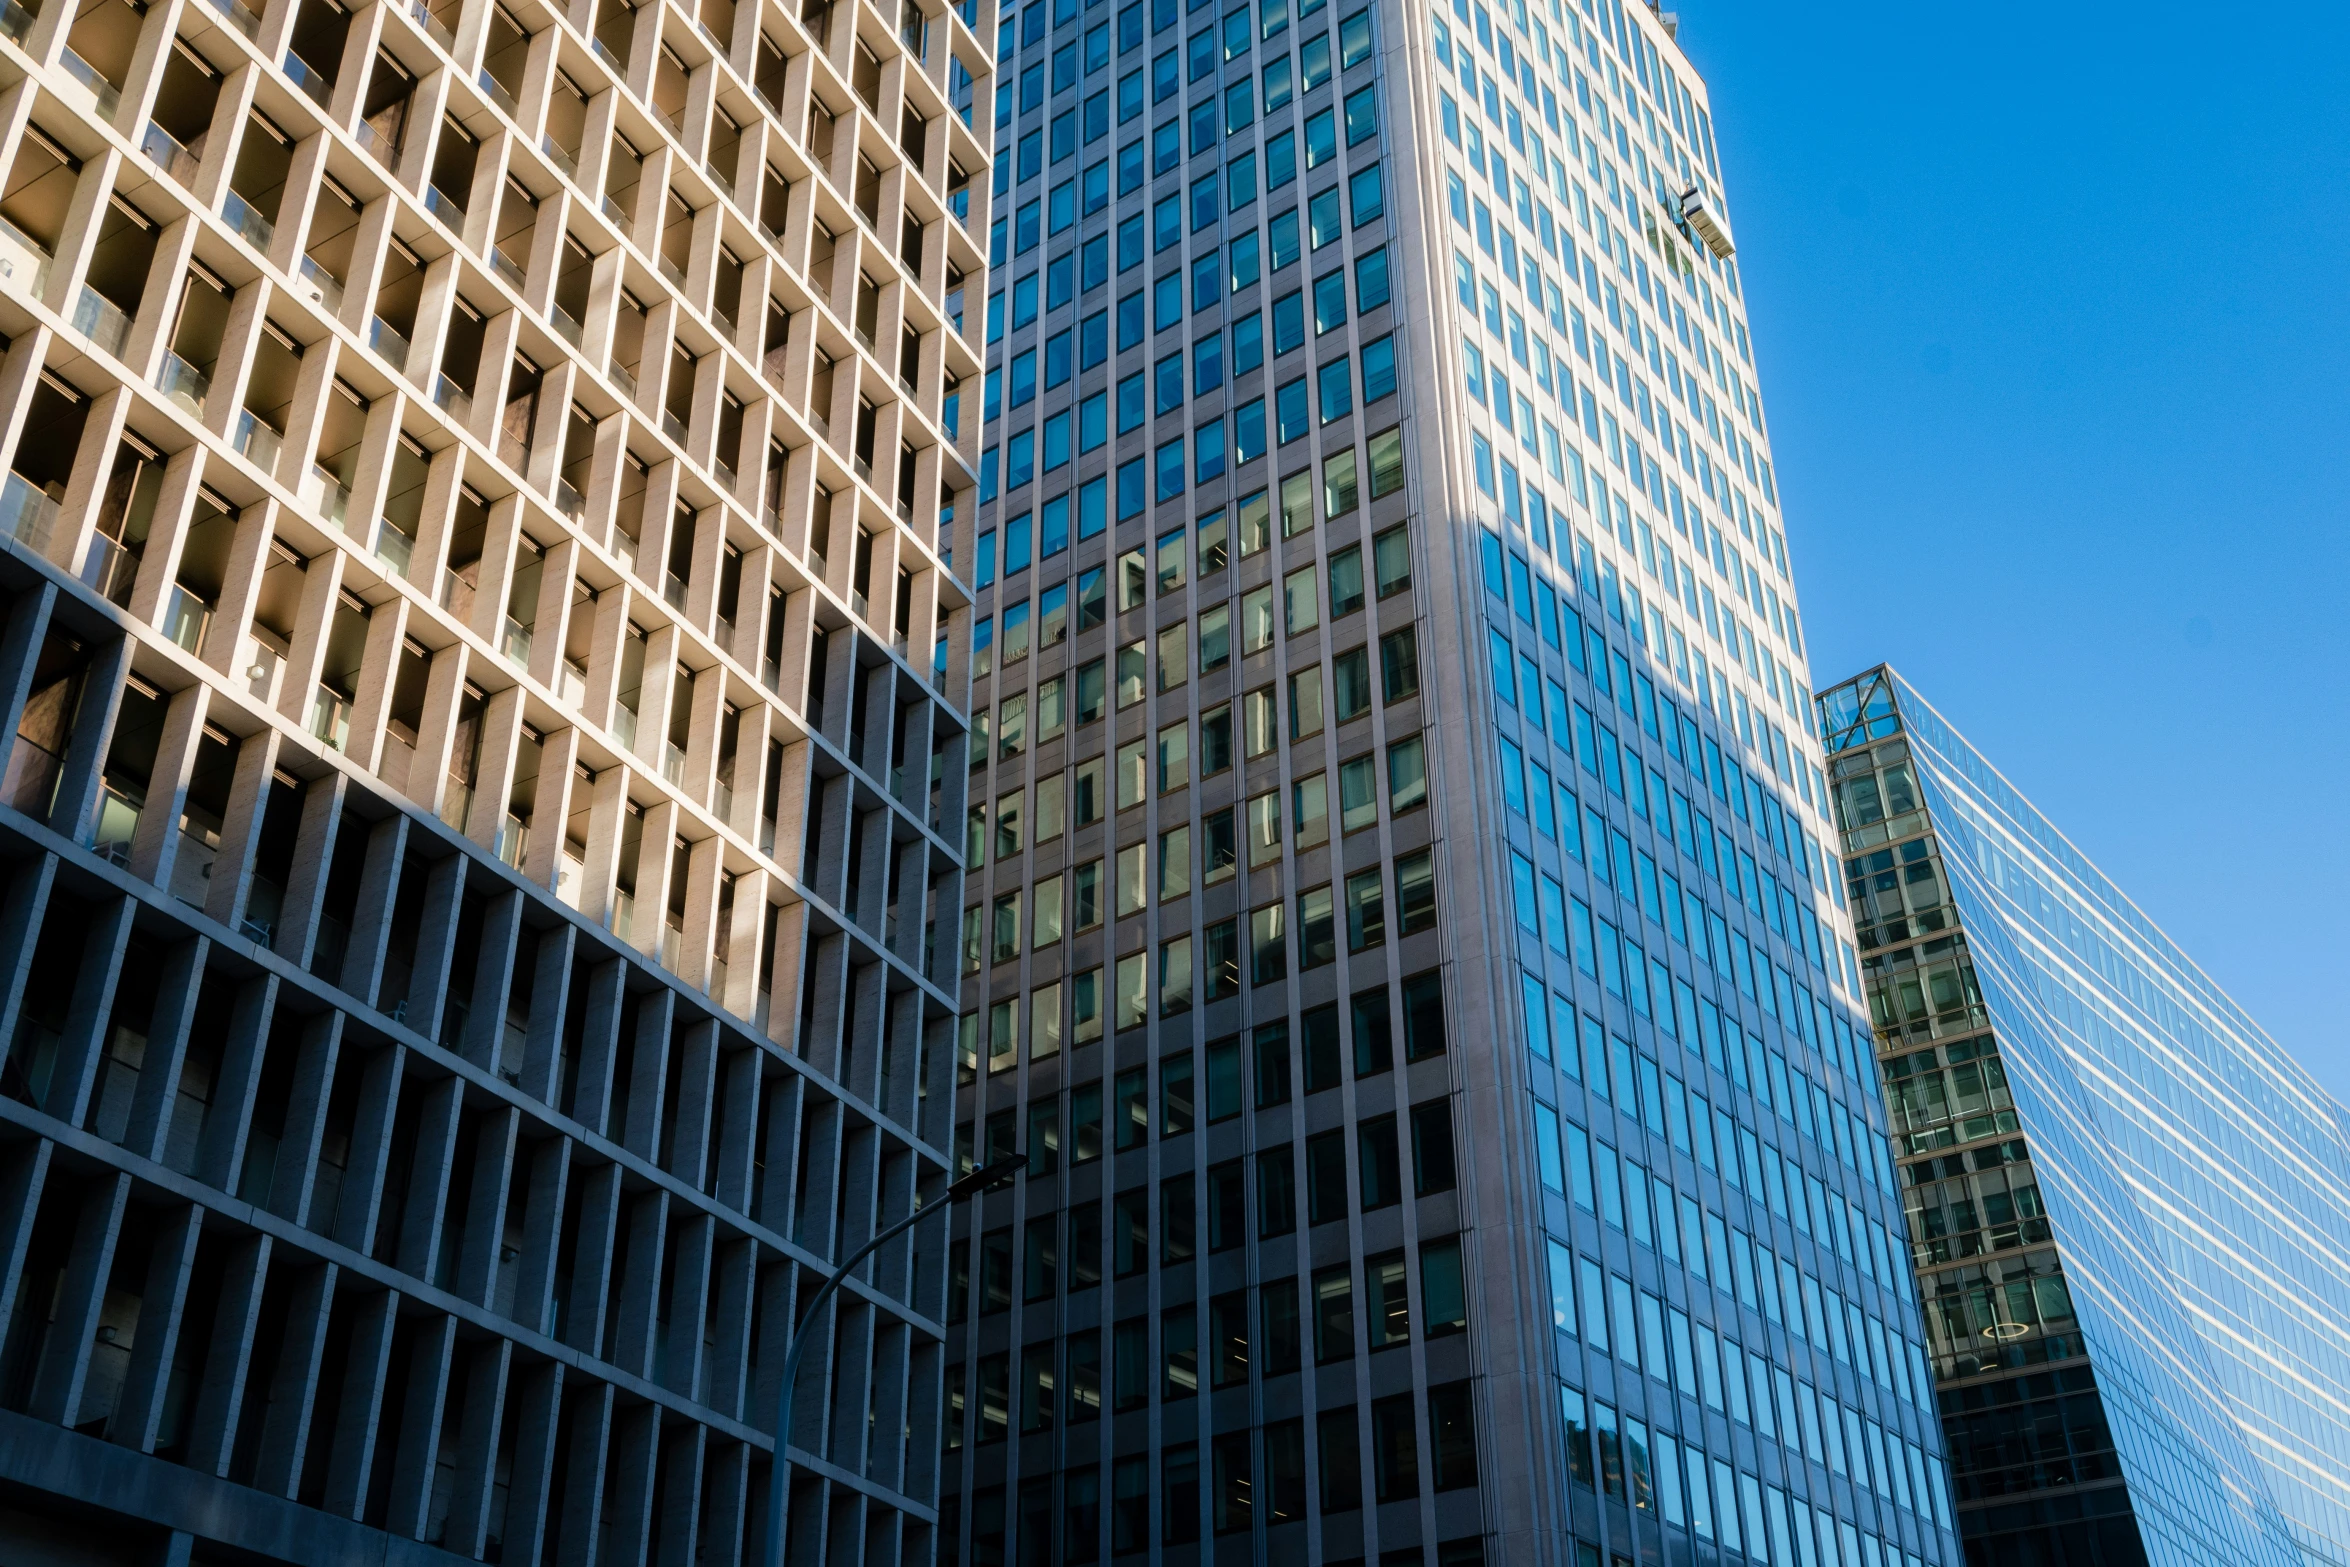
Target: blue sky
{"x":2049,"y":309}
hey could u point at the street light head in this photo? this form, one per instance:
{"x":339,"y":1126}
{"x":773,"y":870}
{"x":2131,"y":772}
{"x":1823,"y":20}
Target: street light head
{"x":999,"y":1173}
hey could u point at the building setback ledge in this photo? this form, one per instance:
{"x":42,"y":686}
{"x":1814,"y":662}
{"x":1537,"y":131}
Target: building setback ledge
{"x":141,"y":1495}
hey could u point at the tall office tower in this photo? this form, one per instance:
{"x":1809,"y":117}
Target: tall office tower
{"x":477,"y":662}
{"x":2126,"y":1203}
{"x":1399,"y":933}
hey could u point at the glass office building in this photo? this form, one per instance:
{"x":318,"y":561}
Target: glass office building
{"x":480,"y":769}
{"x":1399,"y":925}
{"x":2126,"y":1204}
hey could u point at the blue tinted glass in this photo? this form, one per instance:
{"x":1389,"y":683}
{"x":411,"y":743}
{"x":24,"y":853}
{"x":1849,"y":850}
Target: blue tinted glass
{"x":1207,"y":278}
{"x":1290,"y":410}
{"x":1337,"y":391}
{"x":1167,"y":381}
{"x":1248,"y":343}
{"x":1207,"y":363}
{"x":1169,"y":461}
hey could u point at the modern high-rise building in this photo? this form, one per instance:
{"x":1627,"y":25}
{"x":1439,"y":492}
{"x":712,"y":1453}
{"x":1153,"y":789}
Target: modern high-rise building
{"x":2129,"y":1209}
{"x":482,"y":768}
{"x":1400,"y":927}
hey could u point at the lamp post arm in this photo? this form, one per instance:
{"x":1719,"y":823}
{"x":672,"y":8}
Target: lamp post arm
{"x":791,"y":1367}
{"x":985,"y":1178}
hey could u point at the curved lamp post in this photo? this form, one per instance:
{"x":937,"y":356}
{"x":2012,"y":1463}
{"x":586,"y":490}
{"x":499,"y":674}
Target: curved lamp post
{"x":999,"y":1173}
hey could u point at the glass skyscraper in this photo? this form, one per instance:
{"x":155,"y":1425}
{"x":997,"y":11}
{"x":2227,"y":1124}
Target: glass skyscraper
{"x":2126,"y":1204}
{"x":1399,"y":925}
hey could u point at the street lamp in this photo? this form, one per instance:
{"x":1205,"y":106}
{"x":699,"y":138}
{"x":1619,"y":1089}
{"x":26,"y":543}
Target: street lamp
{"x":998,"y":1173}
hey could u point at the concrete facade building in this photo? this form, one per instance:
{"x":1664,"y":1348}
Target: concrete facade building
{"x":482,"y":750}
{"x":1401,"y":928}
{"x":2126,"y":1202}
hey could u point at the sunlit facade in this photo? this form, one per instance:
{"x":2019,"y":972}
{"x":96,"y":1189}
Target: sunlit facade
{"x":2128,"y":1208}
{"x":481,"y":739}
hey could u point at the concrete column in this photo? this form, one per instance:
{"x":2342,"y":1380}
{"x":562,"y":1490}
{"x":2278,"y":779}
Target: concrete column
{"x":295,"y":1176}
{"x":557,"y":572}
{"x":167,"y":534}
{"x":436,"y":518}
{"x":492,"y":963}
{"x":487,"y":1366}
{"x":177,"y":989}
{"x":322,"y":585}
{"x":609,"y":618}
{"x":379,"y":443}
{"x":501,"y":727}
{"x":795,"y":802}
{"x":20,"y":372}
{"x":743,"y":944}
{"x":85,"y":487}
{"x":240,"y":591}
{"x":240,"y":829}
{"x":428,"y":987}
{"x":355,"y":1433}
{"x":557,"y":386}
{"x":705,"y":863}
{"x":314,"y":847}
{"x":652,"y":726}
{"x":313,"y":382}
{"x":81,"y":773}
{"x":381,"y":1076}
{"x":702,"y":725}
{"x":247,"y":311}
{"x":607,"y":814}
{"x":655,"y":850}
{"x":85,"y":210}
{"x":302,"y":177}
{"x":379,"y":883}
{"x":81,"y":1293}
{"x":379,"y":667}
{"x":220,"y":1395}
{"x":369,"y":248}
{"x":156,"y":843}
{"x":550,"y":810}
{"x":286,"y":1429}
{"x":142,"y":354}
{"x":422,"y":1398}
{"x":138,"y":1413}
{"x":428,"y":774}
{"x":22,"y":634}
{"x":541,"y":1066}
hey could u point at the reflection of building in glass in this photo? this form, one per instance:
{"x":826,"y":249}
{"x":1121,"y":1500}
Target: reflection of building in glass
{"x":2128,"y":1208}
{"x":1398,"y":928}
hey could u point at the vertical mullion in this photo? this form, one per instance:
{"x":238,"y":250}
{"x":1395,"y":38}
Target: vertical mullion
{"x":73,"y":1330}
{"x":83,"y":1040}
{"x":488,"y":1382}
{"x":163,"y":1303}
{"x":222,"y":1151}
{"x":176,"y":992}
{"x":359,"y":1426}
{"x":212,"y":1436}
{"x":288,"y":1428}
{"x":317,"y":1054}
{"x":420,"y":1425}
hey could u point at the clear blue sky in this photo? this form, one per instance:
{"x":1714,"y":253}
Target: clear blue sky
{"x":2052,"y":316}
